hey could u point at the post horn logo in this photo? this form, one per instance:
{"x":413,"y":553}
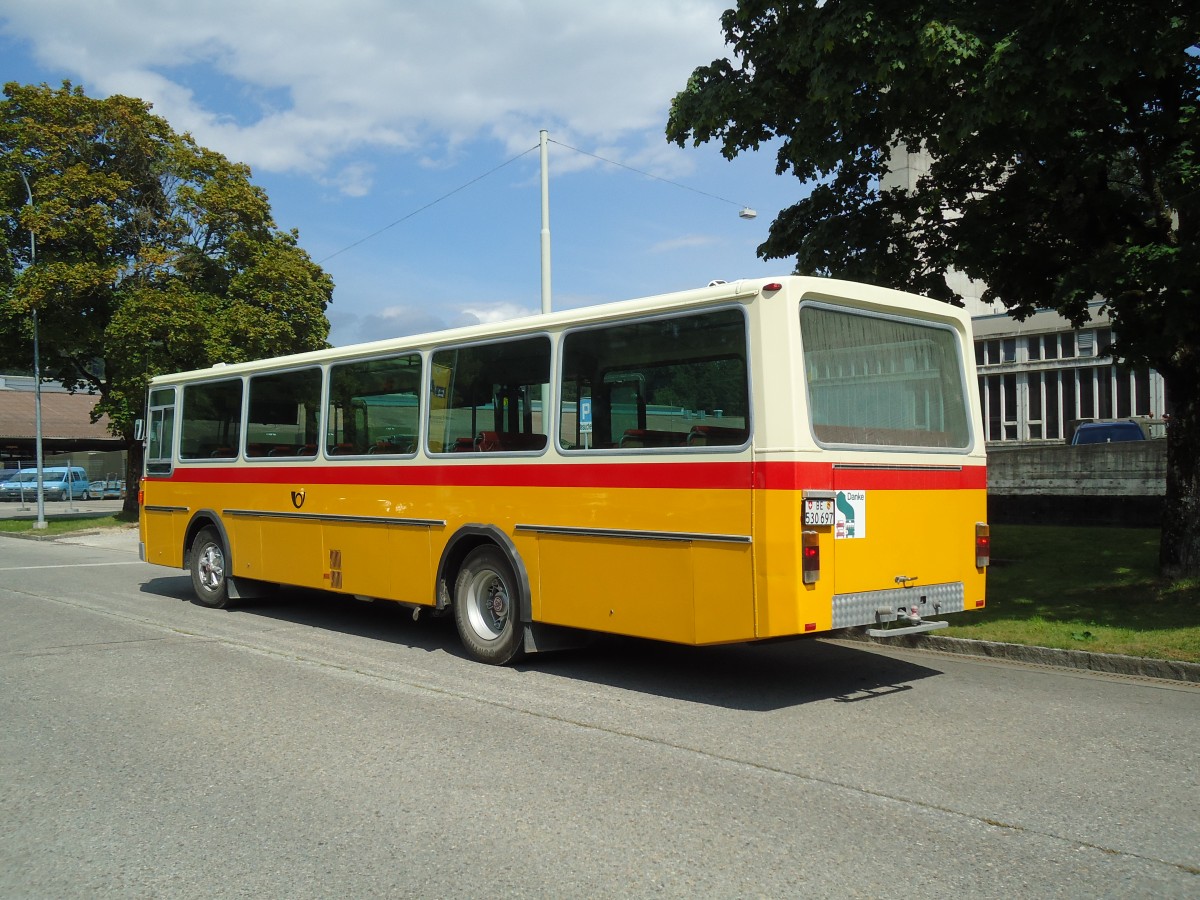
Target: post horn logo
{"x":298,"y":498}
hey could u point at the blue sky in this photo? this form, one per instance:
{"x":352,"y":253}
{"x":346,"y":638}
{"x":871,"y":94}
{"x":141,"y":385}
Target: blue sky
{"x":356,"y":115}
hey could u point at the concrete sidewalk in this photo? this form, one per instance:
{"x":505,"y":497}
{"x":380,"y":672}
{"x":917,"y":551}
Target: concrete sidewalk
{"x":122,"y":538}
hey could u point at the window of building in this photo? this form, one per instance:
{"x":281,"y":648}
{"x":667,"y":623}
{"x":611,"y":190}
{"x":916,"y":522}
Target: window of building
{"x":1053,"y":423}
{"x":1035,"y":405}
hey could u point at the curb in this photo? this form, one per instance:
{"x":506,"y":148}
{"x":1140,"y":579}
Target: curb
{"x":1108,"y":663}
{"x":29,"y":536}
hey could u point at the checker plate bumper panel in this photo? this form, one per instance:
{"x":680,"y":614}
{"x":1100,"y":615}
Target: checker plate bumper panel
{"x":860,"y":608}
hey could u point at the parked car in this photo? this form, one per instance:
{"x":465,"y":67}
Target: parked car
{"x":110,"y":489}
{"x":1108,"y":432}
{"x":58,"y":483}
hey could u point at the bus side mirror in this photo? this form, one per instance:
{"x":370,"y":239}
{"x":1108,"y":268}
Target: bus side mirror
{"x":139,"y":429}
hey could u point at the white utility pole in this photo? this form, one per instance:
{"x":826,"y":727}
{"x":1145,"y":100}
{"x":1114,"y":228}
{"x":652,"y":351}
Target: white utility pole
{"x":545,"y":223}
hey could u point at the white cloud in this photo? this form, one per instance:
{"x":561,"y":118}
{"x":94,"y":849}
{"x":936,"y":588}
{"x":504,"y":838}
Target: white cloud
{"x":490,"y":313}
{"x":389,"y":322}
{"x":316,"y":82}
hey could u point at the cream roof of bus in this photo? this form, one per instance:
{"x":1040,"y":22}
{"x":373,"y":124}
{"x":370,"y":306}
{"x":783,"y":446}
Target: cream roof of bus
{"x":852,"y":293}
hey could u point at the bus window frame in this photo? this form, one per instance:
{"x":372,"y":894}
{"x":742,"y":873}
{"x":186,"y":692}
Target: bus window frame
{"x":748,"y":365}
{"x":238,"y":451}
{"x":552,"y":338}
{"x":166,"y":463}
{"x":268,"y":373}
{"x":422,"y":404}
{"x":964,"y":375}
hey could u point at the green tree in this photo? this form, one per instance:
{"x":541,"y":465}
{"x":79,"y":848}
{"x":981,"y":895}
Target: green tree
{"x":1063,"y":139}
{"x":153,"y":254}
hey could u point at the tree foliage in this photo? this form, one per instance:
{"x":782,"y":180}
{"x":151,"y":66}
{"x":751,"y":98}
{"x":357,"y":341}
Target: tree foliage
{"x":1063,"y":140}
{"x":151,"y":254}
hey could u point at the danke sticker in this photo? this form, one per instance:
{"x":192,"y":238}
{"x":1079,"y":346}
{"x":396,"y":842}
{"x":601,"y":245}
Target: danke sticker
{"x":850,"y":515}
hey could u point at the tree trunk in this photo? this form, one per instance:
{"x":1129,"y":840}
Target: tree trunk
{"x":133,"y":476}
{"x":1179,"y":550}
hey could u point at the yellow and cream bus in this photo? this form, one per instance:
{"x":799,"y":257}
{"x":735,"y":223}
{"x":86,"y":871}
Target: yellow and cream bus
{"x":745,"y":461}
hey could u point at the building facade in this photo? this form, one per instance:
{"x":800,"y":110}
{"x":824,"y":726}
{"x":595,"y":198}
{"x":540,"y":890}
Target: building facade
{"x":1039,"y":378}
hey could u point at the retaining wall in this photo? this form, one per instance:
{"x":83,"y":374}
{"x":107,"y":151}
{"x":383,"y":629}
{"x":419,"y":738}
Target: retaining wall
{"x":1102,"y":484}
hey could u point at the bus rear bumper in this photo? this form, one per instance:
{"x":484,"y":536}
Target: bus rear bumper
{"x":906,"y":605}
{"x":917,"y":628}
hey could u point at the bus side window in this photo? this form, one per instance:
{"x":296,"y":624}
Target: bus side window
{"x":160,"y":436}
{"x":487,"y":398}
{"x":374,"y":407}
{"x":663,"y":384}
{"x":211,"y":420}
{"x":283,"y":414}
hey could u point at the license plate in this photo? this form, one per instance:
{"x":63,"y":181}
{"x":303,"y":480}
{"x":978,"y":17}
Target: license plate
{"x":818,"y":511}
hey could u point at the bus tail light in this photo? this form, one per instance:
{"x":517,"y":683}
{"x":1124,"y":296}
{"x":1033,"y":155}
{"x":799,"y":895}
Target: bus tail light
{"x":810,"y":565}
{"x":983,"y":545}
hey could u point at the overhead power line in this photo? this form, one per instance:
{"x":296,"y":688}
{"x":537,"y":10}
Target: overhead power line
{"x":431,"y":203}
{"x":745,"y":211}
{"x":613,"y":162}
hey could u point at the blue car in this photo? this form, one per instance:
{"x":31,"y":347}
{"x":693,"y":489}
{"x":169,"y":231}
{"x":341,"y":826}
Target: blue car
{"x":58,"y":483}
{"x":1108,"y":432}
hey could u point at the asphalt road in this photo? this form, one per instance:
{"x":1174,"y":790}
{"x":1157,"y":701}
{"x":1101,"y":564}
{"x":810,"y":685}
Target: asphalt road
{"x":309,"y":746}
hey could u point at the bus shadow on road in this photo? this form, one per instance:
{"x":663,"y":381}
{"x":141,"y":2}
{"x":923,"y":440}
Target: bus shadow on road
{"x":756,"y":677}
{"x":378,"y":620}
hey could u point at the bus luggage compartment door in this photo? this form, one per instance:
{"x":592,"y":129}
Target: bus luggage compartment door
{"x":897,"y":539}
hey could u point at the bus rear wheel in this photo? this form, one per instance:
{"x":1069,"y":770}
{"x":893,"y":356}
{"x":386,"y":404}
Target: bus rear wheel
{"x":485,"y":607}
{"x":207,"y":563}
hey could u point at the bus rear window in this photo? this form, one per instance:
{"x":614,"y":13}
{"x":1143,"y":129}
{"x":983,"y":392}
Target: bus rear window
{"x":883,"y":382}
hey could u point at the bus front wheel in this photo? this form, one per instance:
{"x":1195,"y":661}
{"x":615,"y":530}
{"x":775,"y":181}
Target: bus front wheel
{"x":207,"y":562}
{"x":485,"y":611}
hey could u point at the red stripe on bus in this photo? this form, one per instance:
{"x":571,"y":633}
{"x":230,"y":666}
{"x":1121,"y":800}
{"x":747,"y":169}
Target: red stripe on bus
{"x":781,"y":476}
{"x":777,"y":476}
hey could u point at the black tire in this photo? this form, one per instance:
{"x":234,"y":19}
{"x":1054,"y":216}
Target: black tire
{"x":207,"y":561}
{"x":485,"y":608}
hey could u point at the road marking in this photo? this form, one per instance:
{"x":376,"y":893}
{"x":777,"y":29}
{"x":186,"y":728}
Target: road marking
{"x":135,"y":562}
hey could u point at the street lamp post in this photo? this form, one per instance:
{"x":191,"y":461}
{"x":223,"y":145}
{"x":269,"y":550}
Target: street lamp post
{"x":37,"y":380}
